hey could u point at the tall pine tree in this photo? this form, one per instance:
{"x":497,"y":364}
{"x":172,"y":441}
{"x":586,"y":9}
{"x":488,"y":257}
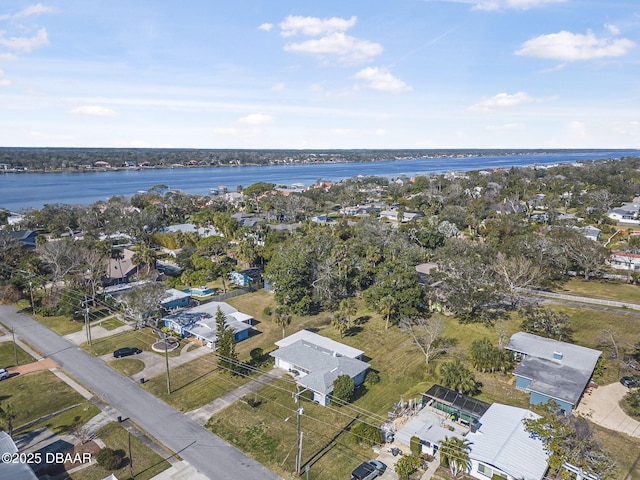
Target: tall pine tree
{"x":226,"y":345}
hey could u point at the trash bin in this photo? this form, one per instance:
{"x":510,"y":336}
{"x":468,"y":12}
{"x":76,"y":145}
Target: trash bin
{"x":119,"y":419}
{"x":142,"y":380}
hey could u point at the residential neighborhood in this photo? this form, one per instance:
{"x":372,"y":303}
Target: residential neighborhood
{"x":445,"y":326}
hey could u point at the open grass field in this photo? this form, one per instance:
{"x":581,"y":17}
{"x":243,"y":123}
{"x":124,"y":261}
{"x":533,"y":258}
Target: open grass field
{"x":62,"y":325}
{"x":67,"y":421}
{"x":35,"y":395}
{"x":111,"y":323}
{"x":604,"y":289}
{"x":146,"y":463}
{"x":8,"y":357}
{"x":194,"y":384}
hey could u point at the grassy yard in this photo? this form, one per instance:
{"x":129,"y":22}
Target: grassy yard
{"x":36,"y":395}
{"x":267,"y":432}
{"x":624,"y":449}
{"x":8,"y":357}
{"x":60,"y":324}
{"x":142,"y":339}
{"x":146,"y":463}
{"x":127,"y":366}
{"x":111,"y":323}
{"x":66,"y":422}
{"x":605,"y":289}
{"x":194,"y":384}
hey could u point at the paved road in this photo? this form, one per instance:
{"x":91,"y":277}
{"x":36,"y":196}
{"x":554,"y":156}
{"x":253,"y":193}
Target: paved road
{"x":208,"y":453}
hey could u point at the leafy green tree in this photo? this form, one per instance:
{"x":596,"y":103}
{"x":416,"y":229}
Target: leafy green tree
{"x":545,"y":322}
{"x":454,"y":453}
{"x":348,"y":307}
{"x":406,"y":465}
{"x":226,"y":345}
{"x":398,"y":279}
{"x":144,"y":256}
{"x":456,"y":376}
{"x":343,"y":388}
{"x":7,"y":416}
{"x":365,"y":434}
{"x":387,"y":307}
{"x":569,"y":439}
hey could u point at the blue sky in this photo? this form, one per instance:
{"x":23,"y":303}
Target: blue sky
{"x":320,"y":74}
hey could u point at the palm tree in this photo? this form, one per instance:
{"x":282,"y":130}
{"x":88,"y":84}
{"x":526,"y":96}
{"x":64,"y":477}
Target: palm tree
{"x":454,"y":452}
{"x":339,"y":321}
{"x":456,"y":376}
{"x":348,"y":307}
{"x":282,"y":317}
{"x":144,"y":255}
{"x":387,"y":307}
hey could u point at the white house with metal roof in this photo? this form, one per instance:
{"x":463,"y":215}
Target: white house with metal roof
{"x":502,"y":447}
{"x":316,"y":362}
{"x":200,"y":322}
{"x":552,"y":370}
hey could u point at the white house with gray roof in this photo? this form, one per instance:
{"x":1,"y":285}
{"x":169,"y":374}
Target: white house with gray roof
{"x":552,"y":370}
{"x":316,"y":362}
{"x":502,"y":447}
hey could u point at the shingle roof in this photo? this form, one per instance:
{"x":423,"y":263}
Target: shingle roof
{"x":323,"y":365}
{"x":320,"y":341}
{"x":503,"y":442}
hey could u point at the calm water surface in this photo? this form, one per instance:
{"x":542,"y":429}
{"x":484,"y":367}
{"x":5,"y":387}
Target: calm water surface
{"x":24,"y":190}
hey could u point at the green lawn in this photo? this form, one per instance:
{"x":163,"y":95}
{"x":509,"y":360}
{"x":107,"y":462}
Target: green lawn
{"x":194,"y":384}
{"x":127,"y":366}
{"x":146,"y":463}
{"x":605,"y":289}
{"x":142,"y":339}
{"x":68,"y":421}
{"x":8,"y":357}
{"x":111,"y":323}
{"x":35,"y":395}
{"x":60,"y":324}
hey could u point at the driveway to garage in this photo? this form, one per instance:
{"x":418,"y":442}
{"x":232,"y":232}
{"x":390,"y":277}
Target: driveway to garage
{"x":602,"y":407}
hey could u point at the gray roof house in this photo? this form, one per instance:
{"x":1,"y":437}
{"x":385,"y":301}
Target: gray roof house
{"x":316,"y":362}
{"x":552,"y":370}
{"x":13,"y":470}
{"x":502,"y":446}
{"x":200,"y":322}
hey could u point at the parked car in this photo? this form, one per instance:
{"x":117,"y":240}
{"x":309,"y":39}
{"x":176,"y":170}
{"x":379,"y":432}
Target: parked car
{"x":368,"y":470}
{"x":631,"y":382}
{"x":3,"y":373}
{"x":126,"y":351}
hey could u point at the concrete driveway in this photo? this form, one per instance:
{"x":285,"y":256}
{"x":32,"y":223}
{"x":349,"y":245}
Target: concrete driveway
{"x":602,"y":407}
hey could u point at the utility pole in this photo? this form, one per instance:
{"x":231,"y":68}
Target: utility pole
{"x":15,"y":348}
{"x":33,"y":307}
{"x":130,"y":456}
{"x":87,"y":325}
{"x":299,"y":412}
{"x":166,"y":359}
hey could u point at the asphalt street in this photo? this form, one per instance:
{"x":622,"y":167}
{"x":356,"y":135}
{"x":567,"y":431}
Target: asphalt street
{"x":208,"y":453}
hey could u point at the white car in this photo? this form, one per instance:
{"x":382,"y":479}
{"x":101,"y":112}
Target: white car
{"x":3,"y":373}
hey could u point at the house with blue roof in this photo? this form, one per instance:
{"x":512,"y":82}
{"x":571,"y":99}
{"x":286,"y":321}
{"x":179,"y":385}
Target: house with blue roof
{"x":316,"y":362}
{"x":552,"y":370}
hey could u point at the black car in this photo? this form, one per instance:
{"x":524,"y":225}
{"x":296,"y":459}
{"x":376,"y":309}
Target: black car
{"x":126,"y":351}
{"x":631,"y":382}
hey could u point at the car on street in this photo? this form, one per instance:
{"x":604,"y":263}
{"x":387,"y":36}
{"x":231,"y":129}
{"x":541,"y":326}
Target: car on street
{"x":368,"y":470}
{"x":3,"y":373}
{"x":126,"y":351}
{"x":631,"y":382}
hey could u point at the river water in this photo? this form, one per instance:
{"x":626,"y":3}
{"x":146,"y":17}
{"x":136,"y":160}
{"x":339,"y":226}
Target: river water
{"x":24,"y":190}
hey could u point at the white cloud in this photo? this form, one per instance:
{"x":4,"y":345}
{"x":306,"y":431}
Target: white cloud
{"x":8,"y":57}
{"x":25,"y":44}
{"x":567,"y":47}
{"x":3,"y":80}
{"x":496,"y":5}
{"x":381,"y":79}
{"x":613,"y":29}
{"x":93,"y":111}
{"x":33,"y":10}
{"x":503,"y":100}
{"x":278,"y":87}
{"x":256,"y":119}
{"x":266,"y":27}
{"x":346,"y":48}
{"x":313,"y":26}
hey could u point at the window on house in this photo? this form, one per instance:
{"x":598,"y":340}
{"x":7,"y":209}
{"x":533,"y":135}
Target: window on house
{"x":484,"y":470}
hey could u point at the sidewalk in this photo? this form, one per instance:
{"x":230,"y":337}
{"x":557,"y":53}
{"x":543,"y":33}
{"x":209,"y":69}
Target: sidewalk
{"x":203,"y":414}
{"x":97,"y":331}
